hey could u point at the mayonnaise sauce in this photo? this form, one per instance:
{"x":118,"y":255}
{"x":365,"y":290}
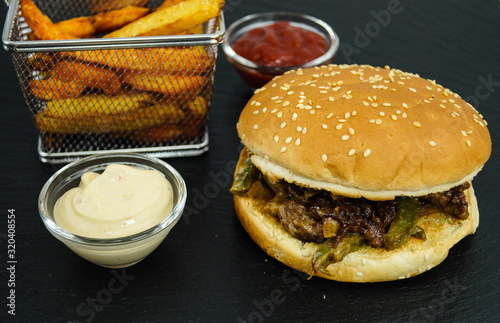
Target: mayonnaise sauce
{"x":121,"y":201}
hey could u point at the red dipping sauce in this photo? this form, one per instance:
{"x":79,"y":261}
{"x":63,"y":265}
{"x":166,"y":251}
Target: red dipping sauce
{"x":280,"y":44}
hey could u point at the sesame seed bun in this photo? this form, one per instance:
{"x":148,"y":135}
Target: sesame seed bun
{"x":363,"y":131}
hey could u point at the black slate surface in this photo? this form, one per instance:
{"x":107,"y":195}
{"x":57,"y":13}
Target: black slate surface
{"x":208,"y":269}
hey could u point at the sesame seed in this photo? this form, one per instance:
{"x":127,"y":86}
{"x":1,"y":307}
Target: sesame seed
{"x":324,"y":158}
{"x":367,"y":153}
{"x":256,"y":112}
{"x":318,"y":106}
{"x":359,"y":274}
{"x":468,"y":143}
{"x":382,"y":113}
{"x":339,"y":126}
{"x":264,"y":109}
{"x":372,"y":121}
{"x":256,"y":126}
{"x":351,"y":131}
{"x":286,"y":103}
{"x":329,"y":115}
{"x":336,"y":88}
{"x":428,"y":88}
{"x":283,"y":149}
{"x":354,"y":113}
{"x":394,"y":117}
{"x":283,"y":125}
{"x":288,"y":140}
{"x":274,"y":110}
{"x":404,"y":105}
{"x":345,"y":137}
{"x":351,"y":152}
{"x":457,"y":106}
{"x":374,"y":104}
{"x":312,"y":112}
{"x":416,"y":124}
{"x":432,"y":143}
{"x":442,"y":106}
{"x":370,"y":98}
{"x":289,"y":92}
{"x":404,"y":115}
{"x":366,"y":103}
{"x":304,"y":131}
{"x":331,"y":99}
{"x":257,"y":104}
{"x":252,"y":103}
{"x":323,"y":91}
{"x":299,"y":128}
{"x":324,"y":125}
{"x":378,"y":121}
{"x":297,"y":142}
{"x":386,"y":104}
{"x":276,"y":138}
{"x":347,"y":115}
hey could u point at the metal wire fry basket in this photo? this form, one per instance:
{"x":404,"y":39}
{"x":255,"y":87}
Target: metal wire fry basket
{"x":89,"y":96}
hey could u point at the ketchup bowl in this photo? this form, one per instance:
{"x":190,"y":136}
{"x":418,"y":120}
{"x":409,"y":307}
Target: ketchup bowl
{"x":117,"y":251}
{"x":277,"y":45}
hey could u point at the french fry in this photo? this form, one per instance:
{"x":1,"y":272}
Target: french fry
{"x":54,"y":89}
{"x":169,"y":3}
{"x":168,"y":85}
{"x":168,"y":133}
{"x":172,"y":20}
{"x":42,"y":26}
{"x":106,"y":5}
{"x":114,"y":19}
{"x":96,"y":104}
{"x":81,"y":27}
{"x":92,"y":114}
{"x":90,"y":76}
{"x":197,"y":108}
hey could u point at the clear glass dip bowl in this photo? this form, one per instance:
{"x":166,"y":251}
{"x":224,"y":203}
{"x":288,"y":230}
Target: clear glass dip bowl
{"x":256,"y":75}
{"x":117,"y":252}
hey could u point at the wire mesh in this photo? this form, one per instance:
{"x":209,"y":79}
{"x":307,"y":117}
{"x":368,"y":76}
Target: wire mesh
{"x":144,"y":97}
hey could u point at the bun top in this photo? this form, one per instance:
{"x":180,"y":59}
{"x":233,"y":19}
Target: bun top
{"x":364,"y":131}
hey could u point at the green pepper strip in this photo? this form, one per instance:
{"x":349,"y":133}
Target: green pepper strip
{"x":405,"y":223}
{"x":245,"y":177}
{"x":334,"y":250}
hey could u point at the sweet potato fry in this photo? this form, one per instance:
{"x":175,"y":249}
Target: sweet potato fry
{"x":173,"y":60}
{"x":114,"y":19}
{"x":81,"y":27}
{"x":90,"y":76}
{"x":172,"y":20}
{"x":54,"y":89}
{"x":42,"y":26}
{"x":168,"y":85}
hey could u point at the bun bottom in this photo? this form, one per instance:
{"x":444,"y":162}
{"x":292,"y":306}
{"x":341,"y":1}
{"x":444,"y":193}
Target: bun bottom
{"x":367,"y":264}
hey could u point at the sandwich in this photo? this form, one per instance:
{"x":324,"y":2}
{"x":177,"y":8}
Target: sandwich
{"x":357,"y":173}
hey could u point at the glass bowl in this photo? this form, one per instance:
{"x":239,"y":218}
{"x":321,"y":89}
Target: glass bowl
{"x":116,"y":252}
{"x":256,"y":75}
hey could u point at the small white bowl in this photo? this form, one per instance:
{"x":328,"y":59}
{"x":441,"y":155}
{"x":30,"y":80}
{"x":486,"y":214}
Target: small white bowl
{"x":116,"y":252}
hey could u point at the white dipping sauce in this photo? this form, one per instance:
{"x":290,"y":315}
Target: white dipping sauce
{"x":121,"y":201}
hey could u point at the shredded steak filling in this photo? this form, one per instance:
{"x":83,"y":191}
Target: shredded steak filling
{"x":314,"y":216}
